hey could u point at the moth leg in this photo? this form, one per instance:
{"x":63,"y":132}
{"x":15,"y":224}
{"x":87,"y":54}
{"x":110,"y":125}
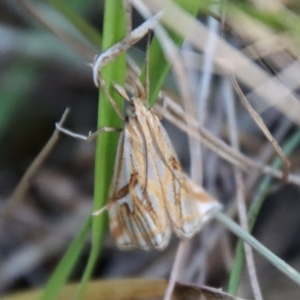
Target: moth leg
{"x":147,"y":78}
{"x":89,"y":137}
{"x":99,"y":211}
{"x":93,"y":135}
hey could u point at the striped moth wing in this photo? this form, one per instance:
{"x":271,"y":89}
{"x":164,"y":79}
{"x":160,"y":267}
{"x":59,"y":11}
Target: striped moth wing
{"x":138,"y":218}
{"x":150,"y":196}
{"x":188,"y":206}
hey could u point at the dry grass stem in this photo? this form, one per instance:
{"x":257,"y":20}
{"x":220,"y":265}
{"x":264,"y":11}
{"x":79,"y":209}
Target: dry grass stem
{"x":176,"y":269}
{"x":268,"y":88}
{"x":215,"y":144}
{"x":260,"y":123}
{"x":249,"y":41}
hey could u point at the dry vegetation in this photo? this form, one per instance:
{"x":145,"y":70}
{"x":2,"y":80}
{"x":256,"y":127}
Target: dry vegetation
{"x":236,"y":132}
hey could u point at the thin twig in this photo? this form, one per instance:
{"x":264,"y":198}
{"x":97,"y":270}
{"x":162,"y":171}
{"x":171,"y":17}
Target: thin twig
{"x":259,"y":121}
{"x":180,"y":254}
{"x":266,"y":154}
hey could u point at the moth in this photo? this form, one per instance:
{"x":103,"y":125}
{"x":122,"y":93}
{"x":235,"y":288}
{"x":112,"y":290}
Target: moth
{"x":150,"y":197}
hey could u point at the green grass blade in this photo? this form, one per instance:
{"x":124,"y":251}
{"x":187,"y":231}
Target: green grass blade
{"x":158,"y":65}
{"x":114,"y":31}
{"x":261,"y":249}
{"x":66,"y":265}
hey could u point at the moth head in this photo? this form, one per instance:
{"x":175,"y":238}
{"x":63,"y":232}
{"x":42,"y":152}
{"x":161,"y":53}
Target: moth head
{"x":129,"y":104}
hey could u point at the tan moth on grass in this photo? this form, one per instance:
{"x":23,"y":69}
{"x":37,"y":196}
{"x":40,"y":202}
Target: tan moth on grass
{"x":150,"y":196}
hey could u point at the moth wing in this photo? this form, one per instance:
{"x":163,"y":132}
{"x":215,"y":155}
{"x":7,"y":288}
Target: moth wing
{"x":137,"y":216}
{"x":183,"y":212}
{"x":206,"y":205}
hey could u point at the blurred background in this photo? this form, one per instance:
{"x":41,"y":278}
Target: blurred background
{"x":45,"y":68}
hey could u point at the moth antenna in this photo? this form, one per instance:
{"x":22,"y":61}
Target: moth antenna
{"x":147,"y":81}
